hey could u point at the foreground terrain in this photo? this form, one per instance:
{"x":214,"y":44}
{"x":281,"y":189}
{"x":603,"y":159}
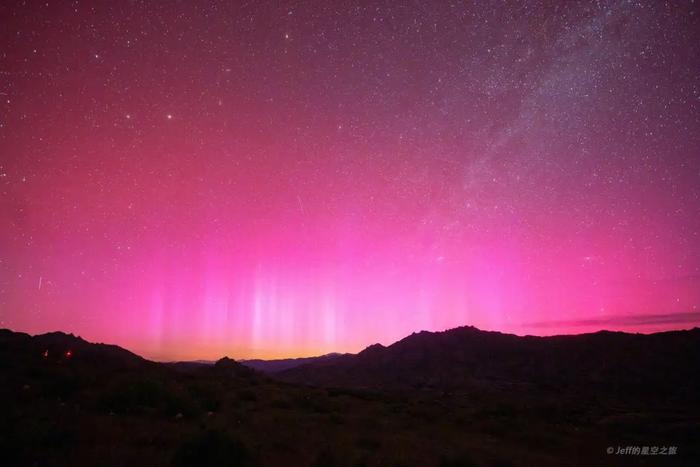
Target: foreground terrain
{"x":460,"y":398}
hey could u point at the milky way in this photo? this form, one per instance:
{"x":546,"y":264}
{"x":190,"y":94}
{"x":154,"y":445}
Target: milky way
{"x":193,"y":179}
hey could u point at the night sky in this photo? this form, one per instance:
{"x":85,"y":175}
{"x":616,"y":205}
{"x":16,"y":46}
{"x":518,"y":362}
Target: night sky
{"x":263,"y":179}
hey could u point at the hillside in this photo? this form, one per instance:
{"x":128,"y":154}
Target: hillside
{"x":601,"y":364}
{"x":102,"y":405}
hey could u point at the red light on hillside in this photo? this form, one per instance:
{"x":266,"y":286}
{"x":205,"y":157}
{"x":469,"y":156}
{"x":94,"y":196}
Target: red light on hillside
{"x":46,"y":354}
{"x":69,"y":354}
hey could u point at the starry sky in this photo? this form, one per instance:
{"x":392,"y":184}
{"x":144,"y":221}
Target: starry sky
{"x":271,"y":179}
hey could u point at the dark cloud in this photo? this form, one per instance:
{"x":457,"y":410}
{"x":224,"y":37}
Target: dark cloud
{"x":620,"y":320}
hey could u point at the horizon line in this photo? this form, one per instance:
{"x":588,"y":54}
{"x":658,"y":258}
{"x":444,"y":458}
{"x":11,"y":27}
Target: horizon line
{"x":638,"y":320}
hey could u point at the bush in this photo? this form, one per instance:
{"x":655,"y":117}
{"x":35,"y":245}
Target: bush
{"x":325,"y":459}
{"x":209,"y":396}
{"x":457,"y":460}
{"x":247,"y":395}
{"x":212,"y":448}
{"x":281,"y":404}
{"x":134,"y":394}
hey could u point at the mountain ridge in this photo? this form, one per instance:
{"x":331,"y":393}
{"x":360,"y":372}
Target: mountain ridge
{"x":603,"y":362}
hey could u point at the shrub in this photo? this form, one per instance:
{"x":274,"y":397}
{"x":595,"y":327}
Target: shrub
{"x":212,"y":448}
{"x":457,"y":460}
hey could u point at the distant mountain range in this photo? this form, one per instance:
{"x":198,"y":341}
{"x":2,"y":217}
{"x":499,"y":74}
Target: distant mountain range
{"x":601,"y":363}
{"x":282,"y":364}
{"x":457,"y":360}
{"x":269,"y":367}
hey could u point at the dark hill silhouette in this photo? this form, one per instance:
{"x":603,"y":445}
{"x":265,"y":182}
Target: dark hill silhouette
{"x":103,"y":405}
{"x":230,"y":367}
{"x":602,"y":363}
{"x":18,"y":348}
